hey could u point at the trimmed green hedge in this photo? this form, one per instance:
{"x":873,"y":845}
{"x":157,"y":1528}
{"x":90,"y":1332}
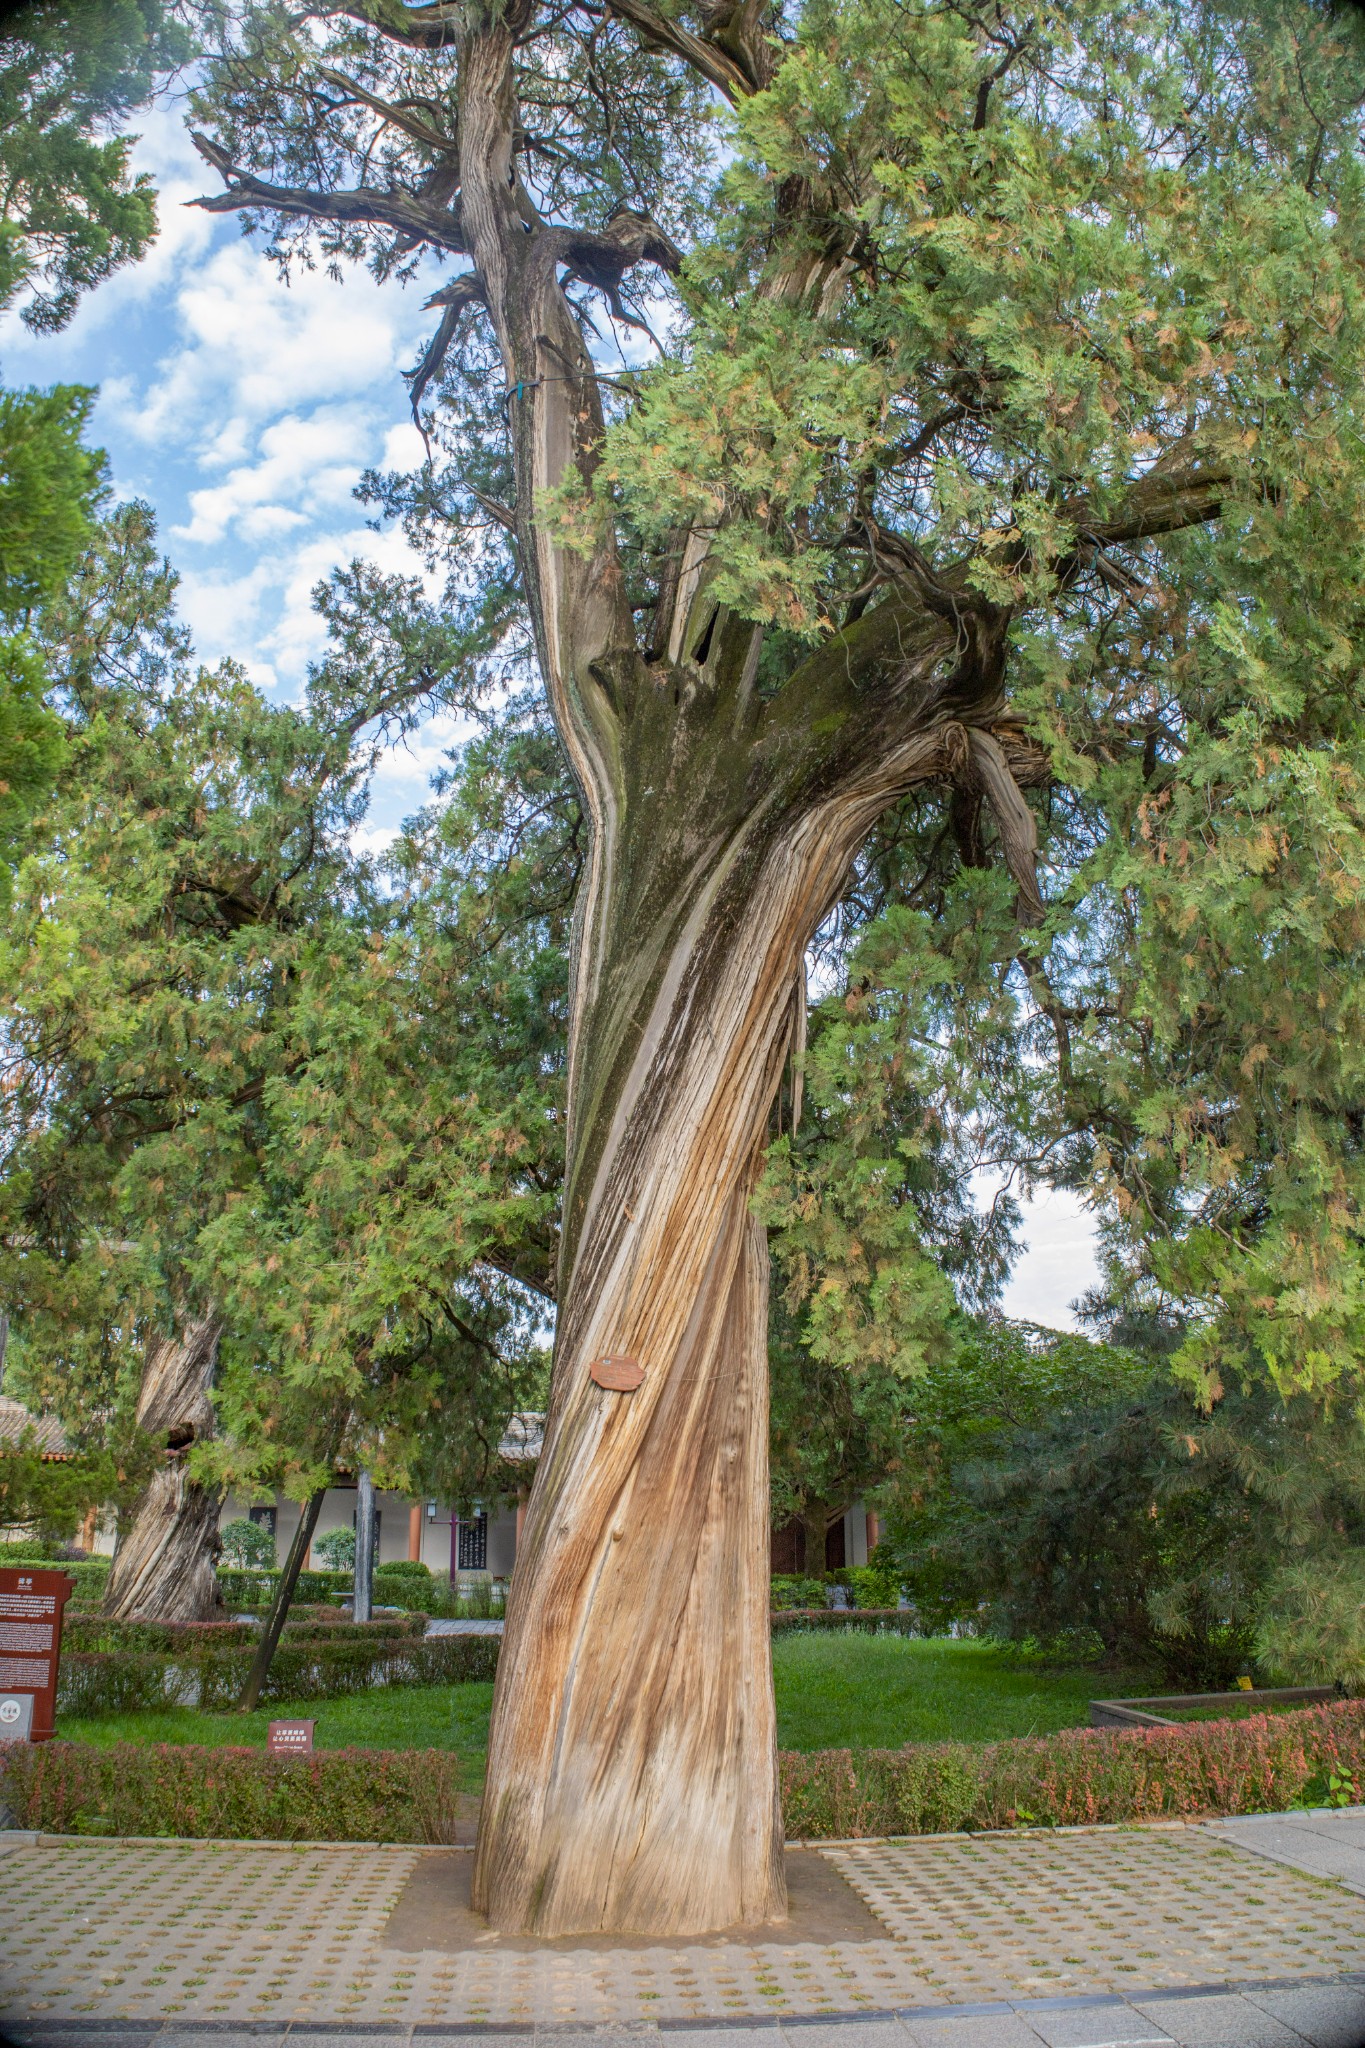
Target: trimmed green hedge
{"x":241,"y":1588}
{"x":335,"y":1795}
{"x":896,"y":1621}
{"x":395,"y":1585}
{"x":400,"y":1584}
{"x":90,"y":1577}
{"x":89,"y":1573}
{"x":92,"y":1632}
{"x":424,"y":1595}
{"x":1261,"y":1765}
{"x":123,"y":1682}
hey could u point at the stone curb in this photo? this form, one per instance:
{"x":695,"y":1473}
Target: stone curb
{"x":13,"y":1838}
{"x":722,"y":2023}
{"x":39,"y":1840}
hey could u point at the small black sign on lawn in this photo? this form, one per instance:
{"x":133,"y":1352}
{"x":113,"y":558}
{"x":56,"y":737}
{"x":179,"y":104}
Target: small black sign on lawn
{"x":291,"y":1738}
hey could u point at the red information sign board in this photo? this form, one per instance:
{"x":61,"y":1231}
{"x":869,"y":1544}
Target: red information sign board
{"x":31,"y":1607}
{"x":291,"y":1738}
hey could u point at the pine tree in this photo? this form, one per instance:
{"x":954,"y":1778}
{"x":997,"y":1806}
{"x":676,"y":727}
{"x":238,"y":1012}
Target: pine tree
{"x":71,"y":213}
{"x":192,"y":924}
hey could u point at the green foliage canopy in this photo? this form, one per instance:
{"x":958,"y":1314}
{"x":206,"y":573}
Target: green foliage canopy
{"x":247,"y":1068}
{"x":72,"y":209}
{"x":1084,"y":376}
{"x":1059,"y":1490}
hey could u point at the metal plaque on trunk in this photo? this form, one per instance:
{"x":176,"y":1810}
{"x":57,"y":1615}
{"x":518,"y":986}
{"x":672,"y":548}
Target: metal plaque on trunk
{"x":291,"y":1738}
{"x":618,"y":1372}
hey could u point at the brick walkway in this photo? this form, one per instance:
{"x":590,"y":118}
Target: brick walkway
{"x":155,"y":1937}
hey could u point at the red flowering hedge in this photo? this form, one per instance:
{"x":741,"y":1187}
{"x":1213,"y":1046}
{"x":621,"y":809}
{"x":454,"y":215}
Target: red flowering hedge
{"x":132,"y":1788}
{"x":1260,"y":1765}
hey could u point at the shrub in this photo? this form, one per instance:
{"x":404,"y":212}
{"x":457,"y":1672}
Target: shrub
{"x":432,"y":1595}
{"x":336,"y":1550}
{"x":787,"y":1591}
{"x":34,"y":1550}
{"x":899,"y":1621}
{"x":872,"y":1585}
{"x":403,"y":1568}
{"x":92,"y":1683}
{"x":92,"y":1632}
{"x":1261,"y":1765}
{"x":247,"y":1545}
{"x":257,"y":1588}
{"x":335,"y":1795}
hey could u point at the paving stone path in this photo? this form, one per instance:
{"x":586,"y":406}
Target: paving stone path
{"x":1085,"y":1938}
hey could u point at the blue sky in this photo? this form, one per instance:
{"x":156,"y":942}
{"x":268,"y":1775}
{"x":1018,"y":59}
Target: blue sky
{"x":244,"y":411}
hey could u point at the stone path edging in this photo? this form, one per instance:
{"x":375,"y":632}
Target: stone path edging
{"x":1321,"y":2013}
{"x":31,"y":1837}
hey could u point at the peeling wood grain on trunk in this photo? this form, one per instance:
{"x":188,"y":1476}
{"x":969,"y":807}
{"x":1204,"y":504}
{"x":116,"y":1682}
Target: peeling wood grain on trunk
{"x":164,"y":1566}
{"x":632,"y":1757}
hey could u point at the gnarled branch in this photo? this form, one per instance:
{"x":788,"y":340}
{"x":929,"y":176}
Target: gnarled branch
{"x":384,"y":209}
{"x":397,"y":117}
{"x":456,"y":298}
{"x":1167,"y":499}
{"x":714,"y":64}
{"x":434,"y":27}
{"x":1014,"y":820}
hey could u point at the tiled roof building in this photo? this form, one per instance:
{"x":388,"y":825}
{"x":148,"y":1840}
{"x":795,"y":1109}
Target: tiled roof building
{"x":16,"y":1421}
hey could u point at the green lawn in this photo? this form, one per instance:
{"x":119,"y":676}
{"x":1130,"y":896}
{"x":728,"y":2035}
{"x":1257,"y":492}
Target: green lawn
{"x":408,"y":1717}
{"x":833,"y":1692}
{"x":876,"y":1692}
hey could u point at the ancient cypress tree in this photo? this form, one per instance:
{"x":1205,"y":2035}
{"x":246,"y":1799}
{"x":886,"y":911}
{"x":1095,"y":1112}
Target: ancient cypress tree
{"x":973,"y":320}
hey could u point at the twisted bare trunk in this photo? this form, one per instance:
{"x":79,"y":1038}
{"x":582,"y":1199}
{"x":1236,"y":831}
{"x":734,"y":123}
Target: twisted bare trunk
{"x":632,"y":1772}
{"x":632,"y":1779}
{"x":164,"y":1566}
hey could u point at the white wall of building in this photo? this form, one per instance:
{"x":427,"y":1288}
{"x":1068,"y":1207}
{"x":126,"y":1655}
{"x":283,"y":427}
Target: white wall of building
{"x":394,"y":1512}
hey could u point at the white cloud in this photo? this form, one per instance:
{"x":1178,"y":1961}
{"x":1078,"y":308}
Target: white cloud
{"x":1059,"y":1263}
{"x":250,"y":347}
{"x":245,"y":408}
{"x":402,"y":783}
{"x":302,"y":467}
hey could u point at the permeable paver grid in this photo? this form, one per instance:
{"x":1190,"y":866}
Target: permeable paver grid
{"x":1044,"y":1915}
{"x":234,"y":1932}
